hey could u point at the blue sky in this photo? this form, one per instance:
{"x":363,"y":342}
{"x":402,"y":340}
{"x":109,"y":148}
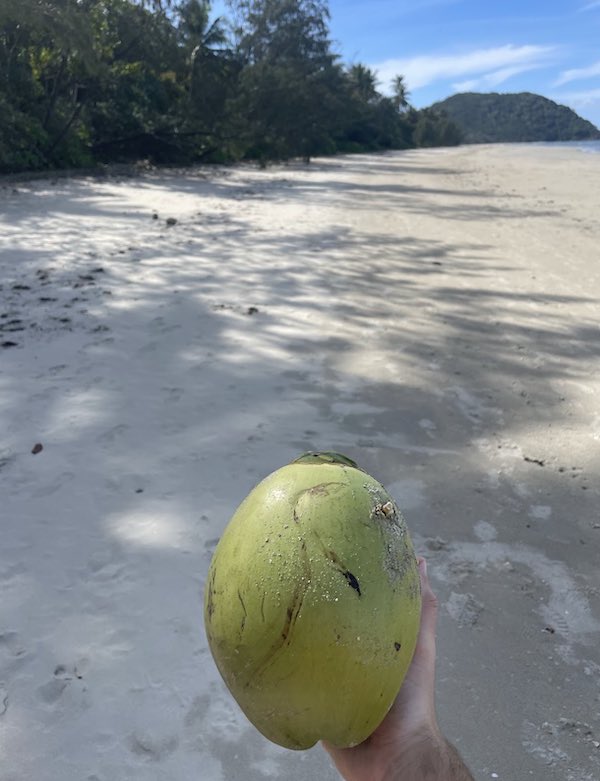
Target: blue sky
{"x":446,"y":46}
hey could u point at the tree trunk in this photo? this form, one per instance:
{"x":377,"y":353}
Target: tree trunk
{"x":54,"y":96}
{"x":65,"y":130}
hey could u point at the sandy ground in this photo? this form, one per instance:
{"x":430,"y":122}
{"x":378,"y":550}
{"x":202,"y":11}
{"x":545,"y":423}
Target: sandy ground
{"x":433,"y":314}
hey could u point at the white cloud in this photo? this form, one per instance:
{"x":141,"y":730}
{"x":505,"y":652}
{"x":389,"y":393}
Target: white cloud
{"x":580,"y":99}
{"x":576,"y":74}
{"x":467,"y":86}
{"x":589,"y":6}
{"x":493,"y":79}
{"x":421,"y":71}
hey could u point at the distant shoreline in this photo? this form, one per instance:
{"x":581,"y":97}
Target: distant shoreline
{"x":590,"y":147}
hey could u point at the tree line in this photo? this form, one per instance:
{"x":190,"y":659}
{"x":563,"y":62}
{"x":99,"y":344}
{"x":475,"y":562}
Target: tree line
{"x":84,"y":82}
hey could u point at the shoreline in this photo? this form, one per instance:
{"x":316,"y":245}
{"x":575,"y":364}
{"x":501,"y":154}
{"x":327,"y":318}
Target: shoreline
{"x":144,"y":167}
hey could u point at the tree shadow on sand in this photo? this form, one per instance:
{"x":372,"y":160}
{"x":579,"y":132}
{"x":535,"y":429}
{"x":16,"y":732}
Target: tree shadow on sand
{"x":200,"y":358}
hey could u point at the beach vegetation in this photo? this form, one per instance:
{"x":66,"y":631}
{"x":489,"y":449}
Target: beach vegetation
{"x":88,"y":82}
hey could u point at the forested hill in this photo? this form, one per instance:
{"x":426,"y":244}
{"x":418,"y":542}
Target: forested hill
{"x":84,"y":82}
{"x":493,"y":117}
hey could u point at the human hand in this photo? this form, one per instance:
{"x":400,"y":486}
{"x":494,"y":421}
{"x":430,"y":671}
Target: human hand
{"x":409,"y":734}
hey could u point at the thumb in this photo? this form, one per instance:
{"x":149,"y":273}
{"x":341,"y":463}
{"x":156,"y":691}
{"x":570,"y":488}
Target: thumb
{"x":415,"y":704}
{"x":429,"y":613}
{"x":422,"y":669}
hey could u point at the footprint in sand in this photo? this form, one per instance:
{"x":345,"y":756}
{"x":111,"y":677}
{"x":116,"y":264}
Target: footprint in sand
{"x":13,"y":656}
{"x":51,"y":692}
{"x":464,"y":609}
{"x":152,"y":746}
{"x":213,"y":721}
{"x":5,"y":460}
{"x":56,"y":485}
{"x":105,"y":566}
{"x":10,"y":645}
{"x":64,"y":677}
{"x":210,"y":545}
{"x":151,"y":347}
{"x":173,"y":394}
{"x":8,"y":574}
{"x":112,"y":434}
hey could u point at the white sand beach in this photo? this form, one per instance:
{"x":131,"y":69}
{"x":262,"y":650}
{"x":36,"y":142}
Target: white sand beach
{"x":433,"y":314}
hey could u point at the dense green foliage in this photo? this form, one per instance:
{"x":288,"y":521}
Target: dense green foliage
{"x":89,"y":81}
{"x":489,"y":118}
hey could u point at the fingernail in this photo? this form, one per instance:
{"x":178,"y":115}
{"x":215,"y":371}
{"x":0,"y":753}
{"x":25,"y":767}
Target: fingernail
{"x":422,"y":564}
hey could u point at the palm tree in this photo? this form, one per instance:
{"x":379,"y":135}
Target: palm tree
{"x":400,"y":93}
{"x":364,"y":82}
{"x":201,"y":37}
{"x":196,"y":28}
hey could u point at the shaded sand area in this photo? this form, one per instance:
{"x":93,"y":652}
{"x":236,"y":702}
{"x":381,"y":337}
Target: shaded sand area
{"x":435,"y":315}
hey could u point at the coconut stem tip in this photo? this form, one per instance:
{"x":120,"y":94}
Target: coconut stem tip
{"x":326,"y":457}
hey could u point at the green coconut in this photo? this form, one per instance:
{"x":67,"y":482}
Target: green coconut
{"x":312,"y":603}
